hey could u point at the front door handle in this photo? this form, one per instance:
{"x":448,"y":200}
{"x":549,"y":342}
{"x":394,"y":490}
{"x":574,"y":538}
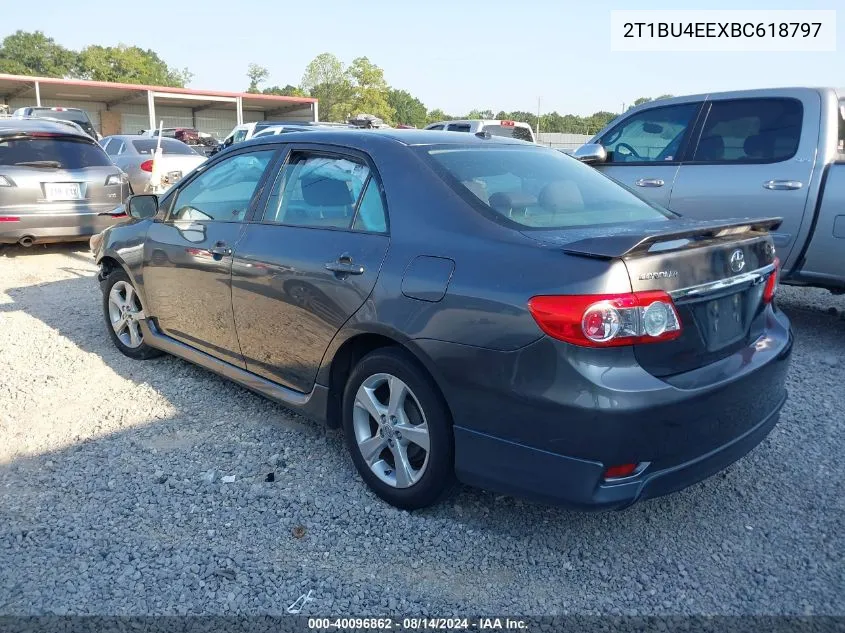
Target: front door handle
{"x":344,"y":266}
{"x":220,"y":250}
{"x":783,"y":185}
{"x":649,"y":182}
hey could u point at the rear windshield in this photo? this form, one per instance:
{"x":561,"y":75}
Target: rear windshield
{"x":77,"y":116}
{"x":528,"y":187}
{"x":59,"y":153}
{"x":168,"y":146}
{"x":511,"y":131}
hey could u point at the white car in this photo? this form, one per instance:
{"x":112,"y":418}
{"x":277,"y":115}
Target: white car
{"x":494,"y":127}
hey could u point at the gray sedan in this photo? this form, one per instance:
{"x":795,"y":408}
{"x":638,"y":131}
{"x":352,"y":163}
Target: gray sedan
{"x":134,"y":155}
{"x":55,"y":182}
{"x":462,"y":305}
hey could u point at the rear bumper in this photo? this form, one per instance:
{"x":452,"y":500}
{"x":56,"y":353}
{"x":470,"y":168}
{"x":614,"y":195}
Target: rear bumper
{"x":544,"y":422}
{"x":55,"y":227}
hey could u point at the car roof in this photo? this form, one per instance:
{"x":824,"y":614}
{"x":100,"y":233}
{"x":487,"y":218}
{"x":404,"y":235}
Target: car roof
{"x":481,"y":121}
{"x":17,"y":126}
{"x":354,"y":137}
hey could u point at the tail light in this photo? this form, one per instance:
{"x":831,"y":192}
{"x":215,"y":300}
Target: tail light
{"x":117,"y":179}
{"x":621,"y":471}
{"x":9,"y":218}
{"x":772,"y":283}
{"x":147,"y":165}
{"x":607,"y":320}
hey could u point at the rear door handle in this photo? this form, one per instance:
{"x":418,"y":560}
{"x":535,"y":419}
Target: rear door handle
{"x":220,"y":250}
{"x":344,"y":266}
{"x":783,"y":185}
{"x":649,"y":182}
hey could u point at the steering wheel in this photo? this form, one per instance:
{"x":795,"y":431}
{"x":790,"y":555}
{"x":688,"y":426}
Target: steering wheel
{"x":630,"y":151}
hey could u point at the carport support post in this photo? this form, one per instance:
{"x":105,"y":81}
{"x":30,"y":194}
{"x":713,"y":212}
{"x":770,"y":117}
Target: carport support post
{"x":239,"y":108}
{"x":151,"y":108}
{"x":38,"y":93}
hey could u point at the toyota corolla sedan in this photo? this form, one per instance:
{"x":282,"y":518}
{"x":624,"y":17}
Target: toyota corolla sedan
{"x":465,"y":307}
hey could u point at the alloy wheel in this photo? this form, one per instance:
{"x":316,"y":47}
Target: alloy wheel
{"x":391,"y":430}
{"x":125,"y":312}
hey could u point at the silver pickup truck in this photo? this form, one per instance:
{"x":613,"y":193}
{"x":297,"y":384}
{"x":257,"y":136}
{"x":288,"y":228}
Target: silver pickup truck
{"x":772,"y":152}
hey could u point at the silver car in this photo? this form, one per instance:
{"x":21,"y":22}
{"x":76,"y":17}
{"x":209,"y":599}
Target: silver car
{"x":134,"y":155}
{"x":55,"y":181}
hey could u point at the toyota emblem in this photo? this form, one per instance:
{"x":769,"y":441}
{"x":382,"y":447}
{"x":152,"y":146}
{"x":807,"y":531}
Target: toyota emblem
{"x":737,"y":261}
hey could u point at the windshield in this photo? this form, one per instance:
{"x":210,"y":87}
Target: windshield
{"x":537,"y":188}
{"x":60,"y":153}
{"x":511,"y":131}
{"x":76,"y":116}
{"x":168,"y":146}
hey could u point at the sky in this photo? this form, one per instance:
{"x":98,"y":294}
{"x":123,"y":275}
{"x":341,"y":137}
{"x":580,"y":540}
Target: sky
{"x":456,"y":56}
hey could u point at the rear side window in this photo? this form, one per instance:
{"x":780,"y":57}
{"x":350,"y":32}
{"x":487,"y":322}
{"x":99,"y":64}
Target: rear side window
{"x":511,"y":131}
{"x":317,"y":191}
{"x":168,"y":146}
{"x":458,"y":127}
{"x":750,"y":131}
{"x":434,"y":127}
{"x":841,"y":144}
{"x":538,"y":188}
{"x":653,"y":135}
{"x":58,"y":152}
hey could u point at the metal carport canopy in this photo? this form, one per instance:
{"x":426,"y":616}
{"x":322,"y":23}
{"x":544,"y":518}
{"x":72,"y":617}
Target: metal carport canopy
{"x":112,"y":94}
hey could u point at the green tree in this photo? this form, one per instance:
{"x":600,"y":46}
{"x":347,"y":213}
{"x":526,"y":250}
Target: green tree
{"x":369,"y":90}
{"x":326,"y":80}
{"x":409,"y":110}
{"x":438,"y":115}
{"x":25,"y":53}
{"x":129,"y":64}
{"x":287,"y":91}
{"x":257,"y":75}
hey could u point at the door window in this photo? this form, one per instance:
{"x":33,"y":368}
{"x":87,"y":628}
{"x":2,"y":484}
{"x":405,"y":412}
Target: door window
{"x":654,"y":135}
{"x":371,"y":215}
{"x":223,"y":192}
{"x":239,"y":136}
{"x":750,"y":131}
{"x":318,"y":191}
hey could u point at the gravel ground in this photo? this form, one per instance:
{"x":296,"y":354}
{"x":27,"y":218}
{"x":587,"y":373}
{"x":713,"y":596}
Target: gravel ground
{"x":117,"y":495}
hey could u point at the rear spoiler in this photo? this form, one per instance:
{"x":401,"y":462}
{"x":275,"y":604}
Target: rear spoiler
{"x":622,"y":245}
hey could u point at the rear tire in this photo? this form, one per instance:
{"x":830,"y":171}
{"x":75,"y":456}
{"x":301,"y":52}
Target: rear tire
{"x":123,"y":310}
{"x":398,"y":430}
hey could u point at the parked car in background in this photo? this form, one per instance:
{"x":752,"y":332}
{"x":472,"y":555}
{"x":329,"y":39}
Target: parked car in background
{"x":284,"y":129}
{"x":201,"y":142}
{"x":134,"y":155}
{"x":367,"y":278}
{"x":775,"y":152}
{"x":246,"y":131}
{"x":54,"y":182}
{"x":510,"y":129}
{"x":80,"y":117}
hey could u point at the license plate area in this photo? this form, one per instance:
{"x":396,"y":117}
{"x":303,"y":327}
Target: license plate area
{"x":62,"y":191}
{"x":173,"y":176}
{"x":723,"y":321}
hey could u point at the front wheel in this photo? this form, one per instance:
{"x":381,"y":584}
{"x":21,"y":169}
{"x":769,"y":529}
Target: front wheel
{"x":123,"y":312}
{"x":398,"y":430}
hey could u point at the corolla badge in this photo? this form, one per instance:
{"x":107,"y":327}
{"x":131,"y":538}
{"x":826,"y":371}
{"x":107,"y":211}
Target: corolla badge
{"x":737,"y":261}
{"x":660,"y":274}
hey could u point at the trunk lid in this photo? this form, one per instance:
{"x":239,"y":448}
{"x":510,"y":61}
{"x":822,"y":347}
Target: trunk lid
{"x":715,"y":272}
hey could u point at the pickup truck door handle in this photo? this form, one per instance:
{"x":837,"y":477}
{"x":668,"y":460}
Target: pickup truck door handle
{"x":783,"y":185}
{"x":649,"y":182}
{"x":220,"y":250}
{"x":344,"y":266}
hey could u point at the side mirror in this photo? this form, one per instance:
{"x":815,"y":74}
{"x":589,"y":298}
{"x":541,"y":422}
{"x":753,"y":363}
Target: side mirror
{"x":591,"y":153}
{"x":142,"y":206}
